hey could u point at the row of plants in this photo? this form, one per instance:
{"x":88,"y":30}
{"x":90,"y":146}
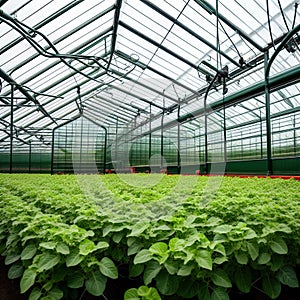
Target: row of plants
{"x":66,"y":235}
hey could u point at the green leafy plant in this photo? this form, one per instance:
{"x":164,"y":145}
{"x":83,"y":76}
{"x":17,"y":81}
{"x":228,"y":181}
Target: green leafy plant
{"x":56,"y":240}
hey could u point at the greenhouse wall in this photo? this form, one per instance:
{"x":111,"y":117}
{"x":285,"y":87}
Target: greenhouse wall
{"x":79,"y":147}
{"x":23,"y":162}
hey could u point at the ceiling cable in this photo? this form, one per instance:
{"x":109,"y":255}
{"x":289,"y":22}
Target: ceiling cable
{"x":269,"y":24}
{"x":283,"y":16}
{"x":233,"y":44}
{"x":293,"y":43}
{"x":295,"y":14}
{"x":218,"y":37}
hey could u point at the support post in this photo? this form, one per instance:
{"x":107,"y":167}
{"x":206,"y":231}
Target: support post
{"x":105,"y":149}
{"x":224,"y":135}
{"x":178,"y":140}
{"x":268,"y":121}
{"x":11,"y":129}
{"x":116,"y":144}
{"x":162,"y":136}
{"x":261,"y":136}
{"x":81,"y":146}
{"x":294,"y":136}
{"x":52,"y":151}
{"x":206,"y":121}
{"x":162,"y":142}
{"x":29,"y":159}
{"x":150,"y":135}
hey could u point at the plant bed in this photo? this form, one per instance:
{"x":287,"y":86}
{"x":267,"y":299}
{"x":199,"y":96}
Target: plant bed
{"x":97,"y":237}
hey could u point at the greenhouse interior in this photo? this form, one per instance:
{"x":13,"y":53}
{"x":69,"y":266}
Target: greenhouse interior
{"x":150,"y":149}
{"x":142,"y":85}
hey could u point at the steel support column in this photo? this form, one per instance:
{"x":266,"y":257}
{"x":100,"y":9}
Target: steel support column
{"x":29,"y":159}
{"x":178,"y":140}
{"x":268,"y":122}
{"x":11,"y":128}
{"x":150,"y":135}
{"x":206,"y":113}
{"x":162,"y":140}
{"x":261,"y":135}
{"x":224,"y":134}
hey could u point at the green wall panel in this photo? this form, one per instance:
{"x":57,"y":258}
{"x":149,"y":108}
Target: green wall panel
{"x":286,"y":166}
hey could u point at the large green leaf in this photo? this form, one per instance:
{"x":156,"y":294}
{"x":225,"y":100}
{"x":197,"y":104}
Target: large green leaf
{"x":96,"y":283}
{"x":264,"y":258}
{"x":108,"y":268}
{"x":278,"y":261}
{"x":220,"y":278}
{"x":47,"y":261}
{"x":135,"y":270}
{"x":250,"y":234}
{"x":131,"y":294}
{"x":59,"y":273}
{"x":278,"y":245}
{"x":15,"y":271}
{"x":56,"y":293}
{"x":74,"y":258}
{"x":219,"y":293}
{"x":243,"y":279}
{"x":203,"y":258}
{"x":62,"y":248}
{"x":142,"y":256}
{"x":223,"y":229}
{"x":253,"y":250}
{"x":220,"y":249}
{"x":28,"y":252}
{"x":151,"y":270}
{"x":167,"y":284}
{"x":75,"y":279}
{"x":11,"y":258}
{"x":48,"y":245}
{"x":27,"y":280}
{"x":203,"y":293}
{"x":241,"y":257}
{"x":159,"y":248}
{"x":171,"y":266}
{"x":188,"y":288}
{"x":134,"y":247}
{"x":160,"y":251}
{"x":117,"y":237}
{"x":148,"y":293}
{"x":288,"y":276}
{"x":102,"y":245}
{"x":138,"y":229}
{"x":35,"y":294}
{"x":185,"y":270}
{"x":271,"y":286}
{"x":86,"y":246}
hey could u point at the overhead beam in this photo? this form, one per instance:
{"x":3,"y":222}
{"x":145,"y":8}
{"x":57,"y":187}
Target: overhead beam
{"x":191,"y":32}
{"x":160,"y":46}
{"x":110,"y":101}
{"x":276,"y":82}
{"x":42,"y":23}
{"x":108,"y":109}
{"x":144,"y":67}
{"x":136,"y":96}
{"x":11,"y":81}
{"x":61,"y":38}
{"x":144,"y":85}
{"x":97,"y":113}
{"x":211,"y":10}
{"x":114,"y":32}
